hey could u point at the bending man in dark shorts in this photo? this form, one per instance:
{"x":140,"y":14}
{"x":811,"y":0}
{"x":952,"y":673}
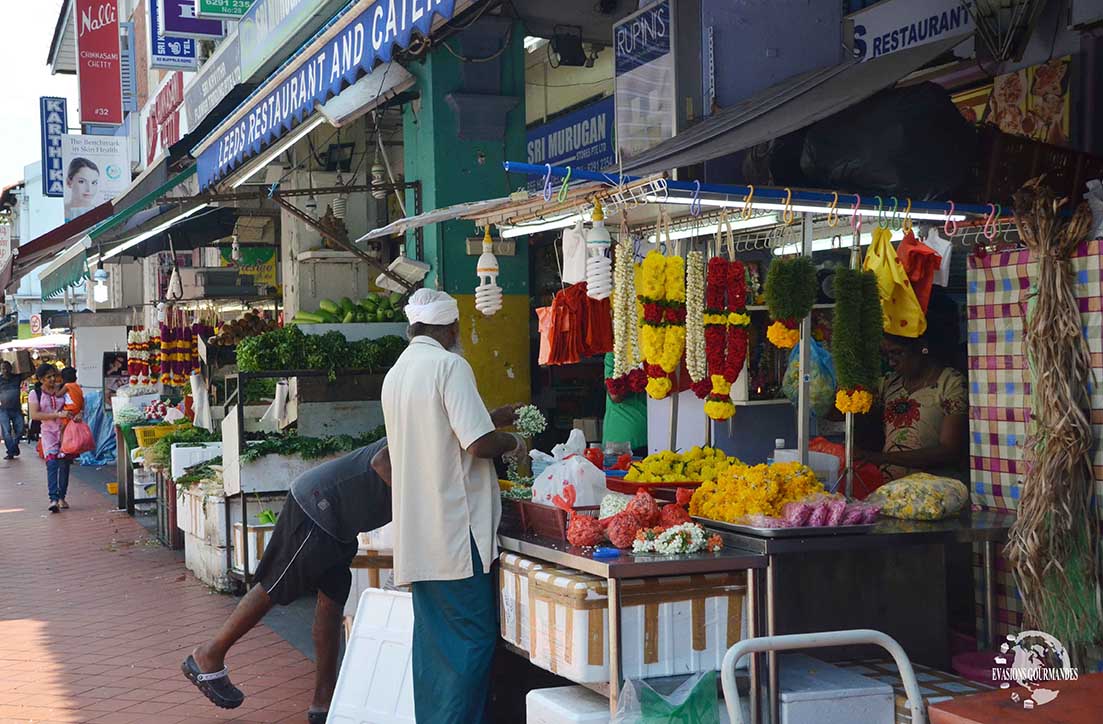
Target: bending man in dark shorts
{"x":311,"y":549}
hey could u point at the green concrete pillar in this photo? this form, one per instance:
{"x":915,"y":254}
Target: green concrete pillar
{"x":469,"y":118}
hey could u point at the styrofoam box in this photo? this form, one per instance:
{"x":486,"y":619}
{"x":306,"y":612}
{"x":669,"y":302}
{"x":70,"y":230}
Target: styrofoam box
{"x":260,"y":535}
{"x":184,"y":456}
{"x":513,"y":599}
{"x":362,"y":580}
{"x":380,"y":539}
{"x":670,"y":626}
{"x":207,"y":562}
{"x":579,"y":705}
{"x":815,"y":691}
{"x":376,"y":682}
{"x":204,"y":516}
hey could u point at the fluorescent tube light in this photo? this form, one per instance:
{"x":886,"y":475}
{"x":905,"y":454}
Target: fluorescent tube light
{"x":130,"y":243}
{"x":559,"y":222}
{"x":280,"y":146}
{"x":825,"y":244}
{"x":844,"y":212}
{"x":737,"y":224}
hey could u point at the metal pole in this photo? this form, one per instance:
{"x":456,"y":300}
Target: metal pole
{"x":771,"y":631}
{"x":855,"y":263}
{"x":989,"y":593}
{"x":804,"y":410}
{"x":674,"y":411}
{"x":752,"y":633}
{"x":615,"y":660}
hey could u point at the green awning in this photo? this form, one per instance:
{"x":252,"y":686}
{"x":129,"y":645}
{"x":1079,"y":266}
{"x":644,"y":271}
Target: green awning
{"x":69,"y":270}
{"x":143,"y":203}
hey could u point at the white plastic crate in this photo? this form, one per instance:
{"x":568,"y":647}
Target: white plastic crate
{"x":186,"y":455}
{"x":670,"y":626}
{"x":579,"y":705}
{"x":513,"y":599}
{"x":376,"y":682}
{"x":815,"y":691}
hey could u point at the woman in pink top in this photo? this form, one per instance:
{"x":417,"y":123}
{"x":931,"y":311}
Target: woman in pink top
{"x":48,"y":407}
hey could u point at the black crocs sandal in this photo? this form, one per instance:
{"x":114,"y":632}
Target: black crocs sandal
{"x":216,"y":685}
{"x":317,"y":717}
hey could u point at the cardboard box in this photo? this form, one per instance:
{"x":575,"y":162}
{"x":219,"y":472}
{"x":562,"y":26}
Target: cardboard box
{"x":590,"y":427}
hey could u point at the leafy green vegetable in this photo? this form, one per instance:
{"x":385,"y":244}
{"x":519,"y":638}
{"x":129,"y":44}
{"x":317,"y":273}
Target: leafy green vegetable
{"x":160,"y":453}
{"x":290,"y":349}
{"x":309,"y":448}
{"x":198,"y":473}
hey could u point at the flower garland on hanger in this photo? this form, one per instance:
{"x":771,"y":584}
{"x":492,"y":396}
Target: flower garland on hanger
{"x":628,"y":377}
{"x":662,"y":293}
{"x":696,"y":359}
{"x":856,"y":339}
{"x":726,"y":334}
{"x":790,"y":294}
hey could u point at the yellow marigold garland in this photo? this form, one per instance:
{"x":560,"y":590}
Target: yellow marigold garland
{"x":858,"y":401}
{"x":783,"y":336}
{"x":662,"y":298}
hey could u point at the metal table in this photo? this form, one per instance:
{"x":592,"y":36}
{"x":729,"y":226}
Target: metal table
{"x":986,"y":527}
{"x":628,"y":566}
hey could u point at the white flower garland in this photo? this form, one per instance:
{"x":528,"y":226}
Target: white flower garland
{"x":530,"y":422}
{"x":696,"y":360}
{"x":626,"y":340}
{"x":678,"y":539}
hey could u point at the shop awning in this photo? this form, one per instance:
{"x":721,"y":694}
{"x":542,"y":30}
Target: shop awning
{"x":45,"y":341}
{"x":437,"y":216}
{"x":322,"y":68}
{"x":40,"y":250}
{"x":67,"y":270}
{"x":786,"y":107}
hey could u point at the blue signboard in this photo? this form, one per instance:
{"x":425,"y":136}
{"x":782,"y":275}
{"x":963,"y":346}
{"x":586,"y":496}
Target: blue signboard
{"x":169,"y":52}
{"x":582,"y":139}
{"x":642,"y":38}
{"x":314,"y":78}
{"x":54,"y":118}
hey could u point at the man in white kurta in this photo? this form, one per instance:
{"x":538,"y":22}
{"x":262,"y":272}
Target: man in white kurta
{"x":446,"y":510}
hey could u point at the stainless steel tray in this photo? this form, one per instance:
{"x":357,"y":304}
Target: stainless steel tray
{"x":785,"y":532}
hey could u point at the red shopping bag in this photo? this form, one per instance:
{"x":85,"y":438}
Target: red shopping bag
{"x":867,"y":476}
{"x":76,"y":439}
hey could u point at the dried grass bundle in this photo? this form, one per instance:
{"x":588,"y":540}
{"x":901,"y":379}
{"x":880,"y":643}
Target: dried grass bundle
{"x":1054,"y":542}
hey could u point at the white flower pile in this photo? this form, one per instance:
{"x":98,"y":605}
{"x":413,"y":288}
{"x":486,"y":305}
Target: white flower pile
{"x":530,"y":421}
{"x":678,"y":539}
{"x":696,"y":361}
{"x":612,"y":504}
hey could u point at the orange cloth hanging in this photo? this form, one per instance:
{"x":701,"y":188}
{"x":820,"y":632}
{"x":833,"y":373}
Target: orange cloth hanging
{"x":921,"y":263}
{"x":578,"y":326}
{"x":544,"y":325}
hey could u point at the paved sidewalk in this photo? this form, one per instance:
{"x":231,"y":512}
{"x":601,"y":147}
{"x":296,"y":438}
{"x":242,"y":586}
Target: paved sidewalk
{"x":96,"y":617}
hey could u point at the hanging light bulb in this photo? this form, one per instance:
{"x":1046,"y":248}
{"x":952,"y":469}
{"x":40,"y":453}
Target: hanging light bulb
{"x":377,"y":171}
{"x":340,"y":204}
{"x":99,"y":290}
{"x":235,"y":249}
{"x":488,"y":295}
{"x":311,"y":205}
{"x":599,"y":267}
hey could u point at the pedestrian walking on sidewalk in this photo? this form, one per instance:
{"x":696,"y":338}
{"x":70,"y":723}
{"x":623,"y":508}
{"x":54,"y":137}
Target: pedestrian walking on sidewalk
{"x":312,"y":547}
{"x":48,"y":407}
{"x":11,"y":410}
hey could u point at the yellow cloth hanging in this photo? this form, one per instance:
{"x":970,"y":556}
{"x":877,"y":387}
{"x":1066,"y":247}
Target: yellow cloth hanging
{"x":902,"y":314}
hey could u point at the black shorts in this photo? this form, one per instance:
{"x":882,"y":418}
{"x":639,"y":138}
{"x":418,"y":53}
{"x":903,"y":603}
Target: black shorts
{"x":302,"y":558}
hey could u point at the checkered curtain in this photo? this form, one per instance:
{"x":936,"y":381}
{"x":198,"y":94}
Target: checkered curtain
{"x":999,"y":390}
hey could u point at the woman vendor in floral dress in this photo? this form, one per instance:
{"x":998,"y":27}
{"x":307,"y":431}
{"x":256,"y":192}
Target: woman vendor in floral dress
{"x":924,"y":407}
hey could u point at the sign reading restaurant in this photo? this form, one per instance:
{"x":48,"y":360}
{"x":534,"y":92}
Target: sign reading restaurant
{"x":316,"y":77}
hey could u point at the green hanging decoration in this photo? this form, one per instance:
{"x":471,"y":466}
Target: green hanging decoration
{"x":856,"y":339}
{"x":790,"y":293}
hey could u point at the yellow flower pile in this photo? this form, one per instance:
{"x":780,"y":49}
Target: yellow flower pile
{"x":759,"y":490}
{"x":782,"y":337}
{"x":696,"y":464}
{"x":857,"y":401}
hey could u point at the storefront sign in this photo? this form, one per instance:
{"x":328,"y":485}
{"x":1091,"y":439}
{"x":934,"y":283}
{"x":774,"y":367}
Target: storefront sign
{"x":643,"y":52}
{"x":99,"y":69}
{"x":169,"y":52}
{"x":5,"y":244}
{"x":162,"y":122}
{"x":582,"y":139}
{"x":258,"y":262}
{"x":268,"y":25}
{"x":97,"y":169}
{"x":54,"y":119}
{"x":222,"y":9}
{"x":891,"y":26}
{"x":178,"y":18}
{"x":315,"y":77}
{"x":214,"y":82}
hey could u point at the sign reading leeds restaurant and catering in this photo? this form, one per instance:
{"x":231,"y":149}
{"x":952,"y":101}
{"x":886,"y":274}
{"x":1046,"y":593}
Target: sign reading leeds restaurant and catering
{"x":318,"y":74}
{"x":99,"y":71}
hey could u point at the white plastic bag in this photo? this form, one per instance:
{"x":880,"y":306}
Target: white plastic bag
{"x":574,"y":254}
{"x":694,"y":700}
{"x":571,"y":467}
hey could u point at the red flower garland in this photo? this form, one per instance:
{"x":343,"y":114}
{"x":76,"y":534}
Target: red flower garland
{"x":725,"y":343}
{"x":632,"y":383}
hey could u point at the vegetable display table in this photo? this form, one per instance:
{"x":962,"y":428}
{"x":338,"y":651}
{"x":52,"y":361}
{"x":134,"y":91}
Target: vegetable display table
{"x":985,"y":527}
{"x":1077,"y":702}
{"x":626,"y":566}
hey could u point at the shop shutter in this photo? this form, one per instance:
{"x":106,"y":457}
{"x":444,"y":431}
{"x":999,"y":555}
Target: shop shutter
{"x":126,"y":56}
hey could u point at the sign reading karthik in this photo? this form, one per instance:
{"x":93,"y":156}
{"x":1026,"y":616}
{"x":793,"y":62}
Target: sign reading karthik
{"x":54,"y":116}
